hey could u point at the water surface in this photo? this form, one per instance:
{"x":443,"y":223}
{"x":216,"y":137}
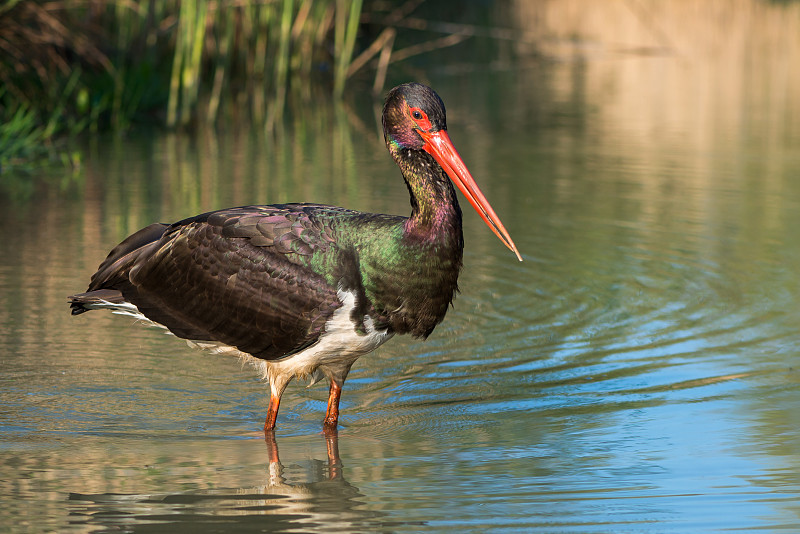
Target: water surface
{"x":636,"y":373}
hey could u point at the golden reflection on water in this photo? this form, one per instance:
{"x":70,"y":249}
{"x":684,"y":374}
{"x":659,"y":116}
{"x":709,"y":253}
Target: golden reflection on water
{"x":662,"y":71}
{"x":706,"y":86}
{"x":306,"y":493}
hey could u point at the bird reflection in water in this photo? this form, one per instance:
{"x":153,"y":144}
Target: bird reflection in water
{"x":312,"y":495}
{"x":276,"y":469}
{"x":317,"y":494}
{"x":320,"y":478}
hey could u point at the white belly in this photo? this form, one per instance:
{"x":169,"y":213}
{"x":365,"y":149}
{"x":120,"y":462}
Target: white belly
{"x":333,"y":354}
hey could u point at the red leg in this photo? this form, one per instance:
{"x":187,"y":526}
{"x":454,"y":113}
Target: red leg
{"x":332,"y":415}
{"x":272,"y":413}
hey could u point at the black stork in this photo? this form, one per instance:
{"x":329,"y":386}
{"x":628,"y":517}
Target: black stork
{"x":303,"y":290}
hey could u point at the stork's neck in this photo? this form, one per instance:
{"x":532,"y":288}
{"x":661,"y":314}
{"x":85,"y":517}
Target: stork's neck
{"x":435,"y":213}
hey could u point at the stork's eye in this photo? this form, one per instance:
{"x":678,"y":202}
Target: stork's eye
{"x":420,"y":118}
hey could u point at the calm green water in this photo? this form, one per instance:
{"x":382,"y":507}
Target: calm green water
{"x":638,"y":372}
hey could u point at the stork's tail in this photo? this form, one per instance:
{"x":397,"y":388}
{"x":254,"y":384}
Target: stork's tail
{"x":98,"y":299}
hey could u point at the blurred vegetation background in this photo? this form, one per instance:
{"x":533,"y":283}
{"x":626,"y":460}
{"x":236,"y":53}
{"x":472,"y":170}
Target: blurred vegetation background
{"x":86,"y":66}
{"x":68,"y":66}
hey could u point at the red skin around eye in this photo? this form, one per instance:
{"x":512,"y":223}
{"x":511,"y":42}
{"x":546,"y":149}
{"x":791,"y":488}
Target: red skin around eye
{"x":423,"y":123}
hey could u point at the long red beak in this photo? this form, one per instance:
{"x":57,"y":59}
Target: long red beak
{"x":438,"y":145}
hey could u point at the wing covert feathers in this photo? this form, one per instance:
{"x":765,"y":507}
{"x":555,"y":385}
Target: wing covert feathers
{"x":236,"y":276}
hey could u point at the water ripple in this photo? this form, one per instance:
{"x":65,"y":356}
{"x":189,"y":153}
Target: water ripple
{"x":648,"y":321}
